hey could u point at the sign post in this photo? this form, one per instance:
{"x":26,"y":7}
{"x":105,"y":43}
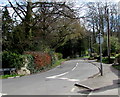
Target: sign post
{"x":99,"y":40}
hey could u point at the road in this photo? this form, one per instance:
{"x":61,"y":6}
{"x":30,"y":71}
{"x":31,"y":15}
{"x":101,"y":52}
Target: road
{"x":58,"y":81}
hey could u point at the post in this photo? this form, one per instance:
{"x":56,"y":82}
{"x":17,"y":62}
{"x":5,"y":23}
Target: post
{"x":100,"y":44}
{"x":101,"y":58}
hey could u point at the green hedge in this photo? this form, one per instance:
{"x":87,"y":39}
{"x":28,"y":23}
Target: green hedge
{"x":11,"y":60}
{"x":55,"y":56}
{"x":106,"y":60}
{"x":14,"y":60}
{"x":118,"y":58}
{"x":59,"y":56}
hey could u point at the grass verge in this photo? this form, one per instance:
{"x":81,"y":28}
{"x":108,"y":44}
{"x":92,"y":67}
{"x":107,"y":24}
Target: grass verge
{"x":86,"y":56}
{"x":7,"y":76}
{"x":59,"y":62}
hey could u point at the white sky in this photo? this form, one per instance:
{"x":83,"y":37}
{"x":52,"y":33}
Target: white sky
{"x":4,"y":2}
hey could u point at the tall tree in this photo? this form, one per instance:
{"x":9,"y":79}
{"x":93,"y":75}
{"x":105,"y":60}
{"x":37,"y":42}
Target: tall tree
{"x":102,"y":17}
{"x":44,"y":24}
{"x":7,"y":26}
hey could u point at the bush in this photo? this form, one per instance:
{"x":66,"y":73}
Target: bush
{"x":41,"y":60}
{"x":11,"y":60}
{"x":91,"y":58}
{"x":55,"y":56}
{"x":0,"y":59}
{"x":106,"y":60}
{"x":59,"y":56}
{"x":94,"y":55}
{"x":31,"y":66}
{"x":115,"y":46}
{"x":118,"y":58}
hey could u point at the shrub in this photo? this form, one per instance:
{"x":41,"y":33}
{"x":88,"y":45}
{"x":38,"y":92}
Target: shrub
{"x":91,"y":58}
{"x":106,"y":60}
{"x":11,"y":60}
{"x":118,"y":58}
{"x":115,"y":46}
{"x":94,"y":55}
{"x":31,"y":65}
{"x":0,"y":59}
{"x":41,"y":60}
{"x":53,"y":56}
{"x":59,"y":56}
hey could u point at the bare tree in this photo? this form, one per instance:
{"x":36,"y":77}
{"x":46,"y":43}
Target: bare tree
{"x":50,"y":23}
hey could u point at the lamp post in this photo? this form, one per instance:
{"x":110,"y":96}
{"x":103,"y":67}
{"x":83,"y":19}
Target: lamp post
{"x":99,"y":40}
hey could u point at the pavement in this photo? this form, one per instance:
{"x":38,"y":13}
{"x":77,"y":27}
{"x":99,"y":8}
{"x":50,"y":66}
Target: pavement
{"x":108,"y":84}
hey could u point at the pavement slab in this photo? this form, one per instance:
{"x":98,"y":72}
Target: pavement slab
{"x":108,"y":84}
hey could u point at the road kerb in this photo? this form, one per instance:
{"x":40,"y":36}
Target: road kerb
{"x":83,"y":86}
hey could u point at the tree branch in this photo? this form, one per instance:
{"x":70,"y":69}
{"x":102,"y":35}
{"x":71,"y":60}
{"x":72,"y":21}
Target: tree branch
{"x":15,"y":10}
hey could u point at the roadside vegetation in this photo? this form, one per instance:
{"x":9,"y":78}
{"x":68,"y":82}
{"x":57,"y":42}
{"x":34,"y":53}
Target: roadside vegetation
{"x":39,"y":36}
{"x":31,"y":35}
{"x":10,"y":76}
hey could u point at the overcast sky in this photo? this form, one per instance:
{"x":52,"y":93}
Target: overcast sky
{"x":3,"y":2}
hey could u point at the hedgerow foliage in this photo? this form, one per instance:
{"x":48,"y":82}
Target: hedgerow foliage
{"x":40,"y":59}
{"x":11,"y":60}
{"x":118,"y":58}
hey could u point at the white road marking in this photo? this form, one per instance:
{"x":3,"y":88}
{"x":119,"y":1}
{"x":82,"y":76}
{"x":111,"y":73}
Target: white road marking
{"x":10,"y":77}
{"x":73,"y":89}
{"x":90,"y":94}
{"x":1,"y":94}
{"x":63,"y":78}
{"x":55,"y":76}
{"x":73,"y":80}
{"x":68,"y":79}
{"x":75,"y":67}
{"x":17,"y":76}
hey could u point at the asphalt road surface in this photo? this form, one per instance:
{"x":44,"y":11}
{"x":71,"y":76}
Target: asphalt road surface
{"x":58,"y":81}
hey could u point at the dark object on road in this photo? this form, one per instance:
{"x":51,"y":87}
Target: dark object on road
{"x":86,"y":87}
{"x":83,"y":87}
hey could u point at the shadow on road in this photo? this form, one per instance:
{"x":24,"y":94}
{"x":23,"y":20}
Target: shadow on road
{"x":84,"y":91}
{"x":109,"y":87}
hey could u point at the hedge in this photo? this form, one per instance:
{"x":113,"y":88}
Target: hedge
{"x":40,"y":59}
{"x":11,"y":60}
{"x":118,"y":58}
